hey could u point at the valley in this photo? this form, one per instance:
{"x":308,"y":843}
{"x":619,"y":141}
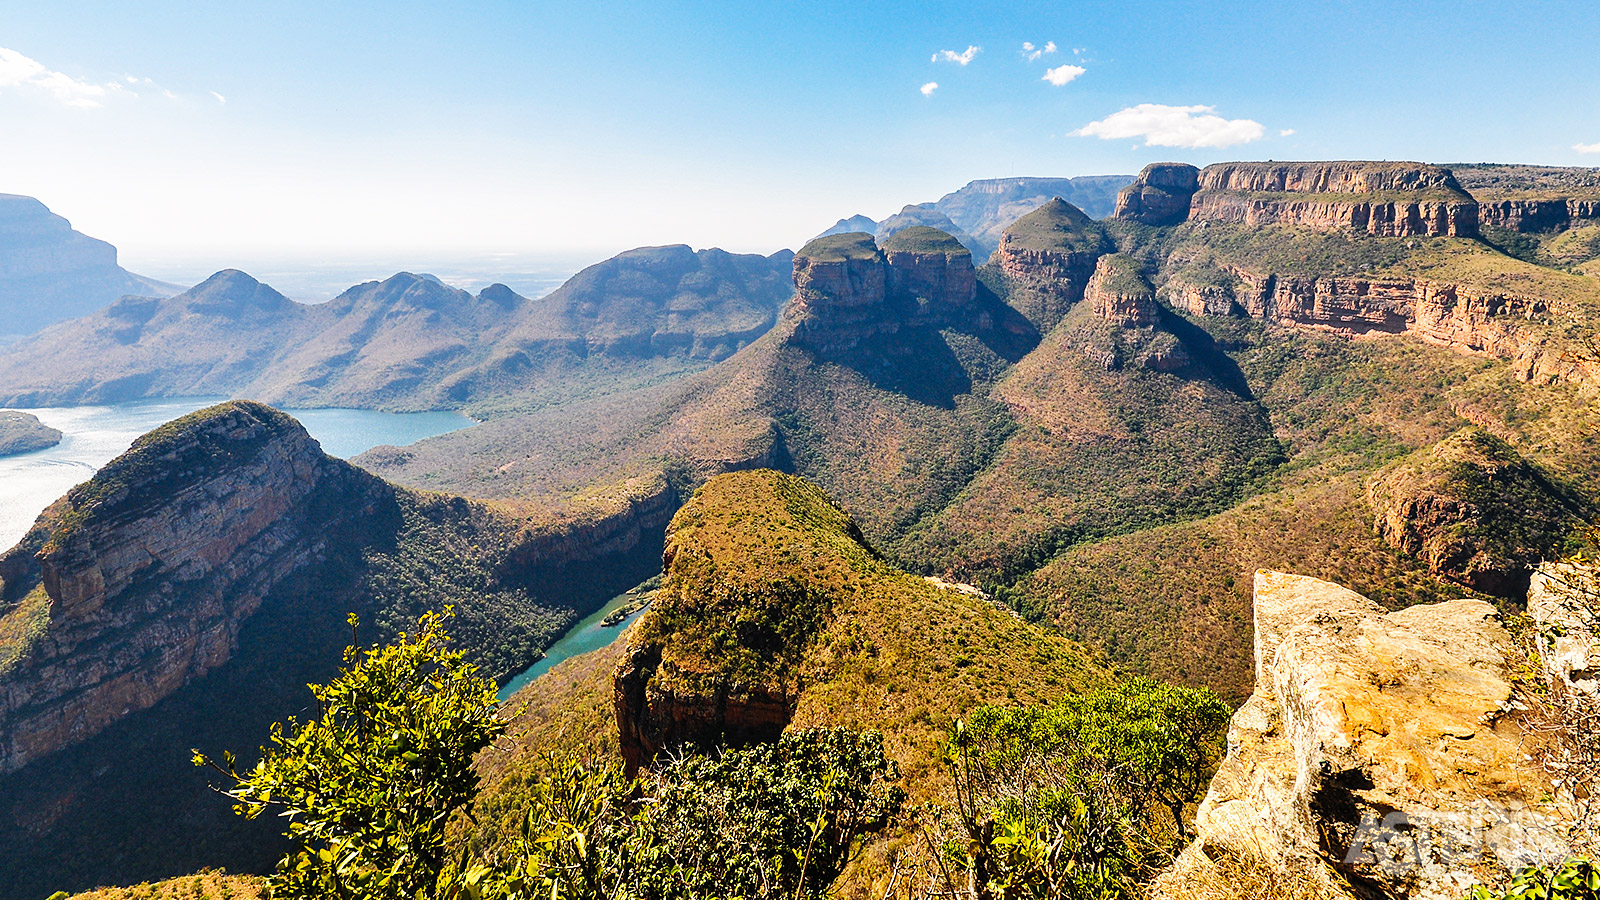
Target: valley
{"x":888,"y":479}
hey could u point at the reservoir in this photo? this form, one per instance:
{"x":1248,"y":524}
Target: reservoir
{"x":95,"y":435}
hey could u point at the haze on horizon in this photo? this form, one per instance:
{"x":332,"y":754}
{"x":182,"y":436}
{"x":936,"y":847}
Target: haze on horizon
{"x":186,"y":133}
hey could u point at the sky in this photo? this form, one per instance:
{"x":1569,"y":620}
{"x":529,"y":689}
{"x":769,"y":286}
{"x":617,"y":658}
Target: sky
{"x":205,"y":134}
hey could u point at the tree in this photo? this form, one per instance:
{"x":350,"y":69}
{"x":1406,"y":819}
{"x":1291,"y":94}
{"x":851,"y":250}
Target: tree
{"x":370,"y":785}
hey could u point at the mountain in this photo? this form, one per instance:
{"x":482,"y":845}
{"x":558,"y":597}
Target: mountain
{"x":856,"y":222}
{"x":186,"y":594}
{"x":49,"y":272}
{"x":925,"y":216}
{"x":1187,"y":401}
{"x":409,"y":342}
{"x":985,"y":208}
{"x":22,"y":432}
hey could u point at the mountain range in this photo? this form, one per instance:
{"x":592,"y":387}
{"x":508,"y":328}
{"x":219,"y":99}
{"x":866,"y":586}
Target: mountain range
{"x":926,"y":477}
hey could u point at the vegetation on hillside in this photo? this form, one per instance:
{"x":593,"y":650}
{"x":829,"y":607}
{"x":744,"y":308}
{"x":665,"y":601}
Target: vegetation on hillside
{"x":923,"y":239}
{"x":1059,"y":227}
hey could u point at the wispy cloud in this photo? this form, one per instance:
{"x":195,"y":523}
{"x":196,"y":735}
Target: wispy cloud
{"x":18,"y":71}
{"x":929,"y":88}
{"x":1587,"y":148}
{"x":1174,"y":126}
{"x":1062,"y":74}
{"x":961,"y":58}
{"x":220,"y":98}
{"x":1032,"y":53}
{"x":1286,"y":132}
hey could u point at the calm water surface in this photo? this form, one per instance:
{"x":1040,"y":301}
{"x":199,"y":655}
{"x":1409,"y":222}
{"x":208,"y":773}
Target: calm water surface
{"x":587,"y":635}
{"x":94,"y":435}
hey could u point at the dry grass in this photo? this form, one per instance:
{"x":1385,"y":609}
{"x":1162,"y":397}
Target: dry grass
{"x":207,"y":885}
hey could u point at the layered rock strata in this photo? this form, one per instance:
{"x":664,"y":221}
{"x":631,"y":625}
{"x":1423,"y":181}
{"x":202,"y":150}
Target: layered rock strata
{"x":1048,"y":257}
{"x":1465,"y":318}
{"x":217,"y":509}
{"x":1529,"y":215}
{"x":1119,"y":294}
{"x":1160,"y":194}
{"x":848,"y":289}
{"x":1376,"y":757}
{"x":1385,"y":199}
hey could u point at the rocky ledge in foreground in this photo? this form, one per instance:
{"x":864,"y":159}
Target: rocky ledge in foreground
{"x":22,"y":432}
{"x":1381,"y":755}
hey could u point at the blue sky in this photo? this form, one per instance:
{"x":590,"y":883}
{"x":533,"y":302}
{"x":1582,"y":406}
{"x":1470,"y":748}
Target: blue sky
{"x":214,"y":132}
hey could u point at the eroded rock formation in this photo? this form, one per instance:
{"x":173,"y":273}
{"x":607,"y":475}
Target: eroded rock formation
{"x":847,"y":288}
{"x":1119,"y":294}
{"x":1159,"y":196}
{"x":1386,"y":199}
{"x":215,"y":510}
{"x":1376,"y":757}
{"x":1048,"y":256}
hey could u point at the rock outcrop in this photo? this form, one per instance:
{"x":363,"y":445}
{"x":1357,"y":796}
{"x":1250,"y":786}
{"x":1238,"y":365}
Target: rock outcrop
{"x":22,"y":432}
{"x":848,"y":289}
{"x":1474,"y":510}
{"x":1535,"y":214}
{"x":217,"y":508}
{"x":1385,"y":199}
{"x":1160,"y":195}
{"x":1377,"y":756}
{"x":1466,"y":318}
{"x":1048,"y":257}
{"x":717,"y":659}
{"x":50,"y":273}
{"x":1119,"y":293}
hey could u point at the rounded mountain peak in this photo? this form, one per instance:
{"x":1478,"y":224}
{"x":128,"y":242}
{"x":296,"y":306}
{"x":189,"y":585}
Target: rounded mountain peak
{"x":840,"y":247}
{"x":1057,"y":226}
{"x":231,"y":291}
{"x":924,"y":239}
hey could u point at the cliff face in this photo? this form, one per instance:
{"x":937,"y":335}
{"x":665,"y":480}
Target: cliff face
{"x":219,"y":508}
{"x":49,"y":272}
{"x":1377,"y":756}
{"x":847,"y":288}
{"x":1385,"y":199}
{"x":1475,"y":510}
{"x":1048,"y":257}
{"x":1536,"y":214}
{"x":1159,"y":195}
{"x":1119,"y":294}
{"x":1465,"y":318}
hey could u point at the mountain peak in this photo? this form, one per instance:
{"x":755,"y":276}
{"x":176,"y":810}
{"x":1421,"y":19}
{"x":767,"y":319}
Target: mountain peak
{"x":232,"y":292}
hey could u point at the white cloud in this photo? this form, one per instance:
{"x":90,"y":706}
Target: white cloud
{"x":1587,"y":148}
{"x":1032,"y":53}
{"x":1286,"y":132}
{"x":1174,"y":126}
{"x":1062,"y":74}
{"x":929,"y":88}
{"x":961,"y":58}
{"x":20,"y":71}
{"x":220,"y":98}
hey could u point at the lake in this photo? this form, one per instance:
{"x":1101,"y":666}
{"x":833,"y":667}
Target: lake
{"x":95,"y":435}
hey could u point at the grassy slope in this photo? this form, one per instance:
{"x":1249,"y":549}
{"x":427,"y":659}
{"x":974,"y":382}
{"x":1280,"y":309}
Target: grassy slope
{"x":879,"y":648}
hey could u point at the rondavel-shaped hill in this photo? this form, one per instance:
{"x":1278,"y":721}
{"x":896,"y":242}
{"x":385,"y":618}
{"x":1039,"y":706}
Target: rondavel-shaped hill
{"x":185,"y":596}
{"x":410,"y":341}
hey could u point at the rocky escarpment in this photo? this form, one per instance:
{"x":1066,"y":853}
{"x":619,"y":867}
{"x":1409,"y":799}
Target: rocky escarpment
{"x":987,"y":207}
{"x":1376,"y":757}
{"x":1160,"y":195}
{"x":1466,"y":318}
{"x":1475,"y":510}
{"x":848,"y":288}
{"x":1048,"y":257}
{"x":49,"y":272}
{"x":1533,"y":214}
{"x":217,"y":509}
{"x":22,"y":432}
{"x":925,"y":216}
{"x":1119,"y":293}
{"x":1386,"y":199}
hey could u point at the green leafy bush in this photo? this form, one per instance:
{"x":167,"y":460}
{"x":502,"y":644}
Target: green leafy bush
{"x":1079,"y":798}
{"x":1575,"y":879}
